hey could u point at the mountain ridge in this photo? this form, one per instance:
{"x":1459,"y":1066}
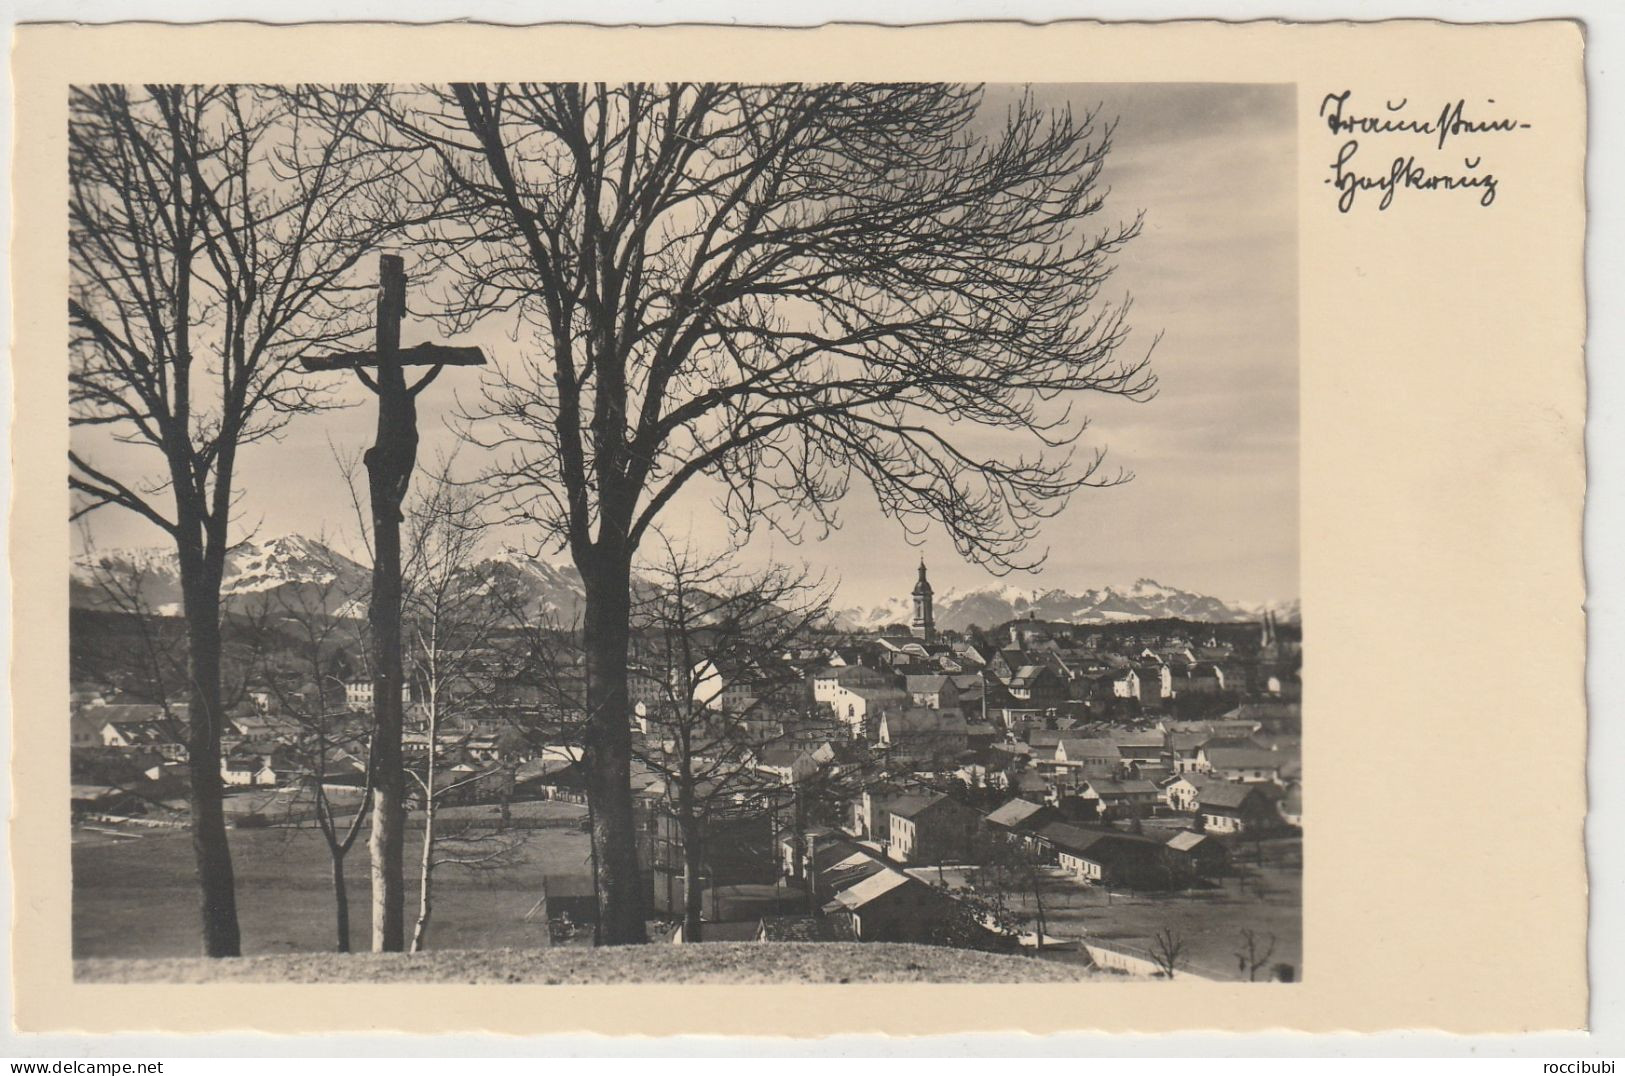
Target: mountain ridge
{"x":994,"y":604}
{"x":304,"y":573}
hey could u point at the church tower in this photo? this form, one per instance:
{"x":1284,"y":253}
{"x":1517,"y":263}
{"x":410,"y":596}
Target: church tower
{"x":1270,"y":645}
{"x":923,"y":626}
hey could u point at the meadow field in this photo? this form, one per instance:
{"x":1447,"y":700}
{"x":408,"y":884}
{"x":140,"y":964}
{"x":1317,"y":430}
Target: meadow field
{"x":135,"y":893}
{"x":134,"y":896}
{"x":1264,"y":895}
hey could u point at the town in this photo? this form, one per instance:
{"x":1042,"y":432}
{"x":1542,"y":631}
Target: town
{"x":1123,"y":795}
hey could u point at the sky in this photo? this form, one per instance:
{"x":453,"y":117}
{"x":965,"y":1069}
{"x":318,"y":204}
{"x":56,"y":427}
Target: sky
{"x":1213,"y":505}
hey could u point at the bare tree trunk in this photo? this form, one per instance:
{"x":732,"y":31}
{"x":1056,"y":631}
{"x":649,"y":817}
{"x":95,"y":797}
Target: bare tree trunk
{"x":597,"y":893}
{"x":420,"y":929}
{"x":806,"y":853}
{"x":609,"y":749}
{"x":210,"y":848}
{"x":387,"y":839}
{"x":341,"y":900}
{"x":1038,"y":900}
{"x":693,"y":874}
{"x":337,"y":849}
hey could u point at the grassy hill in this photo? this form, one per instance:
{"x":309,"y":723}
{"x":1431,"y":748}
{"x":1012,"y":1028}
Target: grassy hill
{"x":711,"y":962}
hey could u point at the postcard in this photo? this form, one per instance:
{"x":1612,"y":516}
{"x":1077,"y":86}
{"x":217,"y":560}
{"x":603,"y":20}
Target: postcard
{"x":978,"y":527}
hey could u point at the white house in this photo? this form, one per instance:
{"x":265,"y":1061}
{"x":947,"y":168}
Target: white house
{"x":856,"y":707}
{"x":933,"y":691}
{"x":1182,"y":793}
{"x":1249,"y":764}
{"x":717,"y":690}
{"x":827,"y":683}
{"x":1119,"y":684}
{"x":251,"y":770}
{"x":147,"y":728}
{"x":85,"y":730}
{"x":1091,"y":755}
{"x":358,"y":693}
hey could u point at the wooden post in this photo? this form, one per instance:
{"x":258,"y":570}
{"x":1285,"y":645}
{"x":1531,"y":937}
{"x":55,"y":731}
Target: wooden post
{"x":389,"y":470}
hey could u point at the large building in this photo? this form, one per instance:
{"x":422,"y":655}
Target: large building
{"x":358,"y":693}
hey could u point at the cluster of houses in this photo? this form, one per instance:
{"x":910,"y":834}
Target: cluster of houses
{"x":872,"y":879}
{"x":1131,"y":757}
{"x":1085,"y":813}
{"x":1112,"y":725}
{"x":132,"y":757}
{"x":256,"y":744}
{"x":1153,"y":806}
{"x":919,"y":686}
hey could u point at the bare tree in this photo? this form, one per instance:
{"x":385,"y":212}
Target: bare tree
{"x":150,"y":669}
{"x":1253,"y":952}
{"x":1169,"y":951}
{"x":303,"y":649}
{"x":976,"y":919}
{"x":715,"y":638}
{"x":781,"y":288}
{"x":455,"y":619}
{"x":1009,"y":865}
{"x":210,"y":237}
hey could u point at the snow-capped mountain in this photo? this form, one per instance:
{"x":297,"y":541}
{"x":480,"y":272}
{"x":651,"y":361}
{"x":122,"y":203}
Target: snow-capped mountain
{"x":298,"y":573}
{"x":1144,"y":599}
{"x":551,"y":593}
{"x":256,"y":567}
{"x":290,"y":572}
{"x":1286,"y":612}
{"x":301,"y":573}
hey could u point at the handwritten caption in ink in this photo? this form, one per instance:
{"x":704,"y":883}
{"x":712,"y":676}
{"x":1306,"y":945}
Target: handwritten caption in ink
{"x":1357,"y":171}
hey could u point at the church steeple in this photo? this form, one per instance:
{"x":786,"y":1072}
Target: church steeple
{"x":1270,"y":645}
{"x":924,"y":626}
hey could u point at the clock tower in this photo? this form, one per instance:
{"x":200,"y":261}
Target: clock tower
{"x":924,"y":627}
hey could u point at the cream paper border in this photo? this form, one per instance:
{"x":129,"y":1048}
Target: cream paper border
{"x":1442,"y":476}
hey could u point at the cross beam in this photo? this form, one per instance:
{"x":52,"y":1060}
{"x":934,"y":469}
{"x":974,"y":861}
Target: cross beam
{"x":421,"y":355}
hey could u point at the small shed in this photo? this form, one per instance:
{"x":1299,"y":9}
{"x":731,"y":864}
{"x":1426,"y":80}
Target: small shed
{"x":1198,"y":854}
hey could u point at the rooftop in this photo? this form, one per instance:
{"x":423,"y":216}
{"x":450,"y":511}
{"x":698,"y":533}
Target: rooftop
{"x":1186,"y":839}
{"x":872,"y":888}
{"x":1233,"y":794}
{"x":1014,"y":812}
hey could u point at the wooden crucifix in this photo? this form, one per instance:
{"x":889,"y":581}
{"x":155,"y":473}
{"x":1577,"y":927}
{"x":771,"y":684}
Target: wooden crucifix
{"x":390,"y":462}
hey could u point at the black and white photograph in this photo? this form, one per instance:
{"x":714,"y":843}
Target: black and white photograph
{"x":685,"y":533}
